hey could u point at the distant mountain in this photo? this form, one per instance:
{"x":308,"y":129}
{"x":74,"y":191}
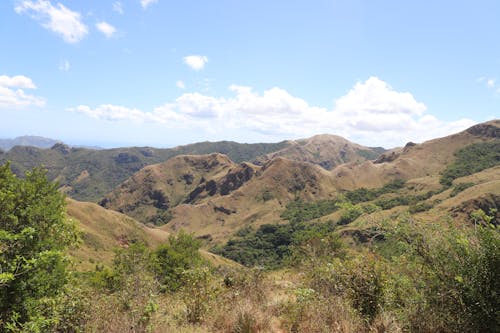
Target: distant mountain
{"x":27,"y":140}
{"x":328,"y":151}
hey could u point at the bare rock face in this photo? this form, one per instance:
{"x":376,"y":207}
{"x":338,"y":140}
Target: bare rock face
{"x":233,"y":180}
{"x":489,"y":203}
{"x":486,"y":130}
{"x":62,"y":148}
{"x":387,"y":157}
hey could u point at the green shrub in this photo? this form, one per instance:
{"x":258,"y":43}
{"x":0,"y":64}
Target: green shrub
{"x":459,"y":188}
{"x":472,"y":159}
{"x":34,"y":234}
{"x":170,"y":260}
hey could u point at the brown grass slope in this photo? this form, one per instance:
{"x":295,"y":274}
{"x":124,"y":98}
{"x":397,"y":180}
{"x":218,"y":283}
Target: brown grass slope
{"x":325,"y":150}
{"x":104,"y":230}
{"x":414,"y":160}
{"x":157,"y":188}
{"x":258,"y":201}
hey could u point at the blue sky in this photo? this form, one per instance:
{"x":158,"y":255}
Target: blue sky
{"x":163,"y":73}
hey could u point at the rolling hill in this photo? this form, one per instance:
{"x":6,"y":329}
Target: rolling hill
{"x":27,"y":140}
{"x":214,"y":197}
{"x":88,"y":174}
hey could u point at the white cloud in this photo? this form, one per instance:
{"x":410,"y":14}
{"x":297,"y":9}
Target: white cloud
{"x":112,"y":113}
{"x":490,"y":83}
{"x":180,"y":84}
{"x":19,"y":81}
{"x":58,"y":19}
{"x":12,"y":95}
{"x":147,"y":3}
{"x":196,"y":62}
{"x":118,"y":7}
{"x":64,"y":66}
{"x":107,"y":29}
{"x":371,"y":113}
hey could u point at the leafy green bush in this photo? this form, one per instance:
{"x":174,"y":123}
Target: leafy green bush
{"x":364,"y":194}
{"x":472,"y":159}
{"x":300,"y":211}
{"x":170,"y":260}
{"x":350,"y":212}
{"x":454,"y":277}
{"x":459,"y":188}
{"x":34,"y":234}
{"x":271,"y":244}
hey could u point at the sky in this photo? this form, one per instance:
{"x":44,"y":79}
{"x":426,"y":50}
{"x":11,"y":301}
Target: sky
{"x":164,"y":73}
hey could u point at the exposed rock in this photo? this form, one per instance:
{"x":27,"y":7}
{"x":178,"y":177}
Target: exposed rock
{"x":486,"y":130}
{"x":62,"y":148}
{"x":489,"y":203}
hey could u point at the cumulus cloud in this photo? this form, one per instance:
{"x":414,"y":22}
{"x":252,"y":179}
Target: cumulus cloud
{"x":196,"y":62}
{"x":107,"y":29}
{"x":58,"y":19}
{"x":147,"y":3}
{"x":371,"y":113}
{"x":12,"y":93}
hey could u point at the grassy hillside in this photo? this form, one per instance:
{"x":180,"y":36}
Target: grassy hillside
{"x":88,"y":175}
{"x":328,"y":151}
{"x":102,"y":231}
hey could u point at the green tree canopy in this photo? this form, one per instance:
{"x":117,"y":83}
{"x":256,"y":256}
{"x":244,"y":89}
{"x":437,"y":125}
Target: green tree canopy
{"x":34,"y":233}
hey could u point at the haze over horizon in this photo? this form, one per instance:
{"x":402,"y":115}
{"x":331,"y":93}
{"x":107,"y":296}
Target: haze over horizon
{"x":157,"y":73}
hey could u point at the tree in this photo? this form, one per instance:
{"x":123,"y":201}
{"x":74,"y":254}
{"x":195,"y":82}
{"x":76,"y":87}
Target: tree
{"x":170,"y":260}
{"x":34,"y":234}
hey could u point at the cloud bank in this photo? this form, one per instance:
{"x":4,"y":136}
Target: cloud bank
{"x":371,"y":113}
{"x":12,"y":94}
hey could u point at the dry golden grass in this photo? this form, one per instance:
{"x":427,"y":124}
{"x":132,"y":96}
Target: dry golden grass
{"x":103,"y":230}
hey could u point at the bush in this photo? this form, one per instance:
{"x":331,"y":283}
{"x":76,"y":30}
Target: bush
{"x":472,"y":159}
{"x":34,"y":234}
{"x":170,"y":260}
{"x":454,"y":276}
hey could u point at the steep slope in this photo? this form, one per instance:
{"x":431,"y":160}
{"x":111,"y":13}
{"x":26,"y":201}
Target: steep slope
{"x":87,"y":174}
{"x":325,"y":150}
{"x":103,"y":231}
{"x":258,"y":201}
{"x":150,"y":193}
{"x":414,"y":160}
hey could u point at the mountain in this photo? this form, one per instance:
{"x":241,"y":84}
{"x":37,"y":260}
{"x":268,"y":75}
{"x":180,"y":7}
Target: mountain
{"x":414,"y":160}
{"x":215,"y":197}
{"x":88,"y":174}
{"x":212,"y":195}
{"x":27,"y":140}
{"x":328,"y":151}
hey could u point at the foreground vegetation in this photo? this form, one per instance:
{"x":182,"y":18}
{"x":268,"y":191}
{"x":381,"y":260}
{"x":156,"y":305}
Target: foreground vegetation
{"x":418,"y":277}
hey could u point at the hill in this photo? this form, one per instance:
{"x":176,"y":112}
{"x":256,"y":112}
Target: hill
{"x":414,"y":160}
{"x":104,"y":230}
{"x":328,"y":151}
{"x":88,"y":174}
{"x":219,"y":197}
{"x":27,"y":140}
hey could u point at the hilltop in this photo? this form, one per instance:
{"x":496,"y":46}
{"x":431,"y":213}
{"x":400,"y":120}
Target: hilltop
{"x":214,"y":197}
{"x":27,"y":140}
{"x":88,"y":174}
